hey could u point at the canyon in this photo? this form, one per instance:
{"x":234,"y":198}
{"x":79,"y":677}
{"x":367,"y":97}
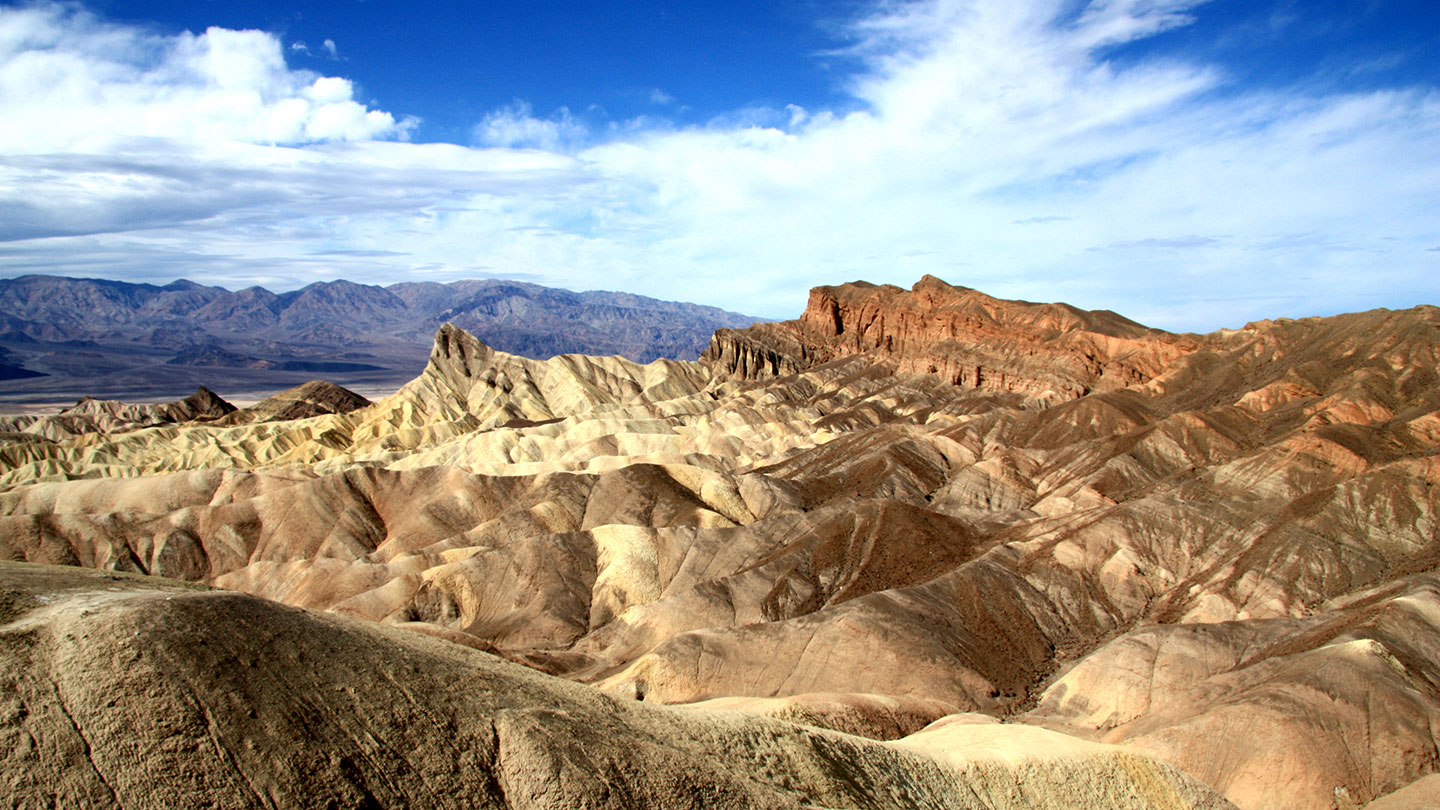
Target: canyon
{"x":915,"y":548}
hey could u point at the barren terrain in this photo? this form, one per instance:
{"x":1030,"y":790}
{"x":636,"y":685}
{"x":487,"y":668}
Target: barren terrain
{"x":915,"y":548}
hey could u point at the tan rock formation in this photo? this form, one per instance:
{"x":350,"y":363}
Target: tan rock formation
{"x":314,"y":398}
{"x":119,"y":692}
{"x":111,"y":416}
{"x":1419,"y":795}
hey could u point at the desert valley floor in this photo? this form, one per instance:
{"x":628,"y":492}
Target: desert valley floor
{"x":916,"y":548}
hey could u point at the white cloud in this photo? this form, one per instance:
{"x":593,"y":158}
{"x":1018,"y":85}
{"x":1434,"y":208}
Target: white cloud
{"x":1105,"y":22}
{"x":516,"y":126}
{"x":984,"y":117}
{"x":990,"y":144}
{"x":71,"y":81}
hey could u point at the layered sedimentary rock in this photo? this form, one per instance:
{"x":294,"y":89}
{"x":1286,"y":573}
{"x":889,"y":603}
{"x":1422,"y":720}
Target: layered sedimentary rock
{"x":314,"y":398}
{"x":1046,"y":353}
{"x":1213,"y":551}
{"x":91,"y":415}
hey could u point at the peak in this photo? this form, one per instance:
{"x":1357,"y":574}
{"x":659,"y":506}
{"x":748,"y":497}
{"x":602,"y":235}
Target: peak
{"x":317,"y":387}
{"x":312,"y":398}
{"x":929,"y":282}
{"x":450,"y":333}
{"x":457,"y":356}
{"x":203,"y":402}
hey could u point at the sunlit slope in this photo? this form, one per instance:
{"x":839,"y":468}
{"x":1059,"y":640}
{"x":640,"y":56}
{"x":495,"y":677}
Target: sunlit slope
{"x":473,"y":408}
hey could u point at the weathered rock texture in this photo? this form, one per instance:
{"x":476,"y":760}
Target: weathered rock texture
{"x":91,"y":415}
{"x":1217,"y":551}
{"x":1046,"y":353}
{"x":119,"y":692}
{"x":314,"y":398}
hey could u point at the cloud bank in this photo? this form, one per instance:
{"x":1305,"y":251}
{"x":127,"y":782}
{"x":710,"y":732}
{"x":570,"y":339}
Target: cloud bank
{"x":992,"y":143}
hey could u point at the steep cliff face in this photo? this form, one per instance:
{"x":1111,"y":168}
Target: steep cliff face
{"x":1047,"y":353}
{"x":760,"y":352}
{"x":457,"y":357}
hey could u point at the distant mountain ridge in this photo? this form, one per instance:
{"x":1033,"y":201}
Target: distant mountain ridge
{"x":115,"y":337}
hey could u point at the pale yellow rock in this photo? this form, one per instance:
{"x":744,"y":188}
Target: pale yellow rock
{"x":626,"y":571}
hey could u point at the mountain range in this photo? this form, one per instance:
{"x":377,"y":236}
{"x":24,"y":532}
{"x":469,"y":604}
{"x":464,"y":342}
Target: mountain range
{"x":62,"y":336}
{"x":915,"y":548}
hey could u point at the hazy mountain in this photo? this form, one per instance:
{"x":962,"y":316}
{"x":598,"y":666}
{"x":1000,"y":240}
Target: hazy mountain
{"x":90,"y":336}
{"x":11,"y":368}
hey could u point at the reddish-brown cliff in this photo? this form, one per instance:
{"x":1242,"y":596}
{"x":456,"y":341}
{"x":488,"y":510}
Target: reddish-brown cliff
{"x":1047,"y":353}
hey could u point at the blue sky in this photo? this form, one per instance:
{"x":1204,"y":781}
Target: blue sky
{"x":450,"y":63}
{"x":1190,"y":164}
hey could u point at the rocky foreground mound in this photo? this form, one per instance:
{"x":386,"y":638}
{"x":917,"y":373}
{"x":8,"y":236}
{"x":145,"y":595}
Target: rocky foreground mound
{"x":123,"y":692}
{"x":906,"y":507}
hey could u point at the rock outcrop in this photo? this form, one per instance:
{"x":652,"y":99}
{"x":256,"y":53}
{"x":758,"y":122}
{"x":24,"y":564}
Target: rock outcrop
{"x":1046,"y":353}
{"x":91,"y":415}
{"x":314,"y":398}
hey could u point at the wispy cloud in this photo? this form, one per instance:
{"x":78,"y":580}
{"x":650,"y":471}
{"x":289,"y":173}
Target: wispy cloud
{"x":517,"y":127}
{"x":327,"y":48}
{"x":972,"y":123}
{"x":368,"y":254}
{"x":1168,"y":243}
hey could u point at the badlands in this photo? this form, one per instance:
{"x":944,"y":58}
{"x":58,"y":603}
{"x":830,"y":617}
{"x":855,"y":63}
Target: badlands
{"x":917,"y":548}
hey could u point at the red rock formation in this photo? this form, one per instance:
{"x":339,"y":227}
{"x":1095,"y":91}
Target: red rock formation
{"x":1046,"y":352}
